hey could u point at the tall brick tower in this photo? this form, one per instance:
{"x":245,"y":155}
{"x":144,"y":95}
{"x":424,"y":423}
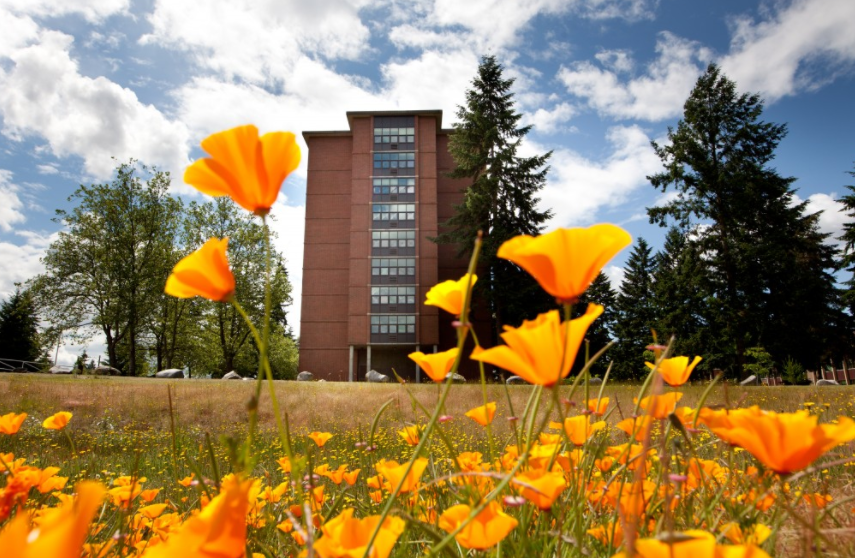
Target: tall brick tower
{"x":374,"y":195}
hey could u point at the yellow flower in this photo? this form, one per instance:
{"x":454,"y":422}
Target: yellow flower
{"x":61,"y":531}
{"x":449,"y":295}
{"x":10,"y":423}
{"x":675,"y":371}
{"x":219,"y":531}
{"x":205,"y":273}
{"x":410,"y":434}
{"x":484,"y":414}
{"x":57,"y":421}
{"x":393,"y":472}
{"x":580,"y":428}
{"x":320,"y":438}
{"x":435,"y":365}
{"x":484,"y":531}
{"x":566,"y":261}
{"x":541,"y":487}
{"x":346,"y":537}
{"x":783,"y":442}
{"x":284,"y":464}
{"x":536,"y":350}
{"x":245,"y":167}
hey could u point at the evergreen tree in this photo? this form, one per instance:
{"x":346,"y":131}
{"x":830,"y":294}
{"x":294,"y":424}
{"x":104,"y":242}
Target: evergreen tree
{"x":635,"y":314}
{"x":19,"y":335}
{"x":847,"y":261}
{"x":682,"y":308}
{"x":500,"y":201}
{"x":764,"y":257}
{"x":602,"y":331}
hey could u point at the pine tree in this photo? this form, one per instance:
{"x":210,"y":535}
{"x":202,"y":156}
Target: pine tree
{"x":602,"y":331}
{"x":765,"y":259}
{"x":500,"y":200}
{"x":19,"y":335}
{"x":681,"y":306}
{"x":635,"y":314}
{"x":847,"y":261}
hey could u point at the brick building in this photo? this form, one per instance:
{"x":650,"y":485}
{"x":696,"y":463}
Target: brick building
{"x":374,"y":195}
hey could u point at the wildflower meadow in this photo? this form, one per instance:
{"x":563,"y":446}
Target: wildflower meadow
{"x":557,"y":467}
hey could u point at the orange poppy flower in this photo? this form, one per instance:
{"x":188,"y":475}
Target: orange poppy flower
{"x":675,"y":371}
{"x":10,"y":423}
{"x":205,"y":273}
{"x":320,"y":438}
{"x":245,"y":167}
{"x":637,"y":427}
{"x":410,"y":434}
{"x":344,"y":536}
{"x":394,"y":472}
{"x":566,"y":261}
{"x":660,"y":406}
{"x":484,"y":414}
{"x":449,"y":295}
{"x":783,"y":442}
{"x":598,"y":407}
{"x":541,"y":487}
{"x":284,"y":464}
{"x":435,"y":365}
{"x":485,"y":531}
{"x":534,"y":351}
{"x":57,"y":421}
{"x":579,"y":428}
{"x":61,"y":531}
{"x":218,"y":531}
{"x":350,"y":476}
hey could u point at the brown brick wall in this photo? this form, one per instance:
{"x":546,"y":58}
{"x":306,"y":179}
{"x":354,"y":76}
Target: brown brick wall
{"x":325,"y":308}
{"x":327,"y":364}
{"x":323,"y":281}
{"x":329,"y":153}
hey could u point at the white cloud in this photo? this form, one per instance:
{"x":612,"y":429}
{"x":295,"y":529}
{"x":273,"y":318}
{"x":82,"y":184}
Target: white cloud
{"x":15,"y":32}
{"x":547,"y":121}
{"x":92,"y":10}
{"x":22,"y":261}
{"x":772,"y":56}
{"x":44,"y":94}
{"x":579,"y":188}
{"x":615,"y":274}
{"x":616,"y":60}
{"x":259,"y":41}
{"x":657,"y":95}
{"x":625,"y":9}
{"x":290,"y":226}
{"x":10,"y":203}
{"x":833,"y":215}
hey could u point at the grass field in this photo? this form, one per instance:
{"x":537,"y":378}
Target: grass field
{"x":124,"y":426}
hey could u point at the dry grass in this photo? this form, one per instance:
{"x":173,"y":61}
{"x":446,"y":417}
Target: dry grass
{"x":220,"y":406}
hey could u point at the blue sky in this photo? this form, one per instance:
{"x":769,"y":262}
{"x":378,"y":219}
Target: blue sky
{"x":82,"y":81}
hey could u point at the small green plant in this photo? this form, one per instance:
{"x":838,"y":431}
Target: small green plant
{"x":793,"y":372}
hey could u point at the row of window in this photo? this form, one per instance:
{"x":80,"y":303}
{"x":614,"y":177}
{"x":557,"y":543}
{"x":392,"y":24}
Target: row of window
{"x":393,"y":212}
{"x":393,"y":324}
{"x":393,"y":239}
{"x":393,"y":266}
{"x":393,"y":295}
{"x":395,"y":160}
{"x":394,"y":139}
{"x":394,"y":185}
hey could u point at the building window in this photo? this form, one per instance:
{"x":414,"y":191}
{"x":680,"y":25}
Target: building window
{"x":393,"y":212}
{"x":393,"y":243}
{"x":405,"y":160}
{"x":394,"y":135}
{"x":393,"y":324}
{"x":393,"y":271}
{"x":393,"y":295}
{"x":383,"y":267}
{"x":393,"y":239}
{"x":387,"y":186}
